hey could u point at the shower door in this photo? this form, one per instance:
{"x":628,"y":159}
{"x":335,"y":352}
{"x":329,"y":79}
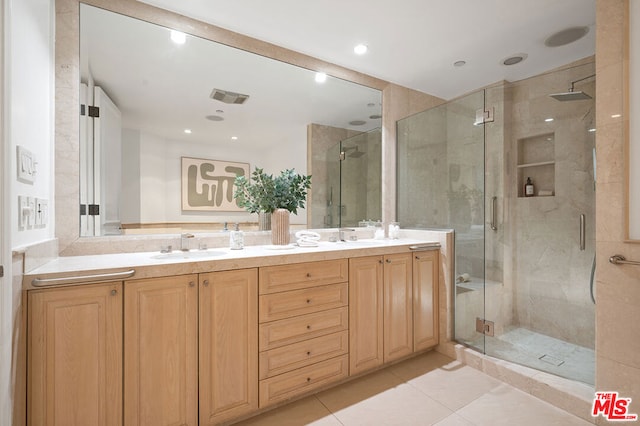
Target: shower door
{"x":441,"y":178}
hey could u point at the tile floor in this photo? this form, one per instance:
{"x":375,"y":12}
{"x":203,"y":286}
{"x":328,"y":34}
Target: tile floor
{"x":430,"y":389}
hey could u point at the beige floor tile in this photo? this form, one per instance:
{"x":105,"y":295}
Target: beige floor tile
{"x":358,"y":390}
{"x":307,"y":411}
{"x":508,"y":406}
{"x":454,"y":420}
{"x":449,"y":382}
{"x":397,"y":406}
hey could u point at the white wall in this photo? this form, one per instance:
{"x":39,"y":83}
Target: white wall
{"x":30,"y":106}
{"x":158,"y":198}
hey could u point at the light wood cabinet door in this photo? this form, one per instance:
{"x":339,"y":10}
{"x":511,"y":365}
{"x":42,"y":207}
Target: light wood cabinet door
{"x":161,"y":351}
{"x":398,"y":306}
{"x":425,"y":299}
{"x":228,"y":345}
{"x":365,"y":313}
{"x":75,"y":356}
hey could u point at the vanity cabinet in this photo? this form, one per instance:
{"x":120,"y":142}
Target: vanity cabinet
{"x":75,"y":356}
{"x":393,"y":307}
{"x":366,"y":310}
{"x":426,"y":273}
{"x":161,"y":351}
{"x":228,"y":338}
{"x":303,"y":332}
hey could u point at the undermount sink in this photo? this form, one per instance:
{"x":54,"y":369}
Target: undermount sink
{"x":364,"y":242}
{"x":191,"y":254}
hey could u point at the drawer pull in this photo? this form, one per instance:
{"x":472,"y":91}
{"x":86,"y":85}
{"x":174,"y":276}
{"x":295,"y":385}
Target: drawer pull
{"x":206,"y":283}
{"x":308,"y":379}
{"x":308,"y":274}
{"x":388,"y":260}
{"x":308,"y":353}
{"x":308,"y":300}
{"x":192,"y":284}
{"x":114,"y":292}
{"x":308,"y":327}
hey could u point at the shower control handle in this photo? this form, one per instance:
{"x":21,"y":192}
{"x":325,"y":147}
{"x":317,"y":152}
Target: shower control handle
{"x":494,"y":213}
{"x":582,"y":232}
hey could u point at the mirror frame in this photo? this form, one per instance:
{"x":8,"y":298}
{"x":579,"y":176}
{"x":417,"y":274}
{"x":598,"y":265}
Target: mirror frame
{"x":67,"y":108}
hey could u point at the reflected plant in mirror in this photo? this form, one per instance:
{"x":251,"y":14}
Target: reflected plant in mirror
{"x":160,"y":100}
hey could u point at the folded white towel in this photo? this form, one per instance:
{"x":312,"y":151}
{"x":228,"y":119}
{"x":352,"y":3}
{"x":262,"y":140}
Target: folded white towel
{"x":307,"y":238}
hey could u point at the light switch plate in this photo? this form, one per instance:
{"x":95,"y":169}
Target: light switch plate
{"x":26,"y":165}
{"x":31,"y":216}
{"x":23,"y":206}
{"x":42,"y":212}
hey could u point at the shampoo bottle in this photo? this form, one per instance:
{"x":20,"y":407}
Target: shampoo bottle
{"x":528,"y":188}
{"x":236,"y":239}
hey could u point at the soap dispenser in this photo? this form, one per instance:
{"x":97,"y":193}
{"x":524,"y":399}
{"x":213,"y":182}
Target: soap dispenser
{"x":236,"y":239}
{"x":528,"y":188}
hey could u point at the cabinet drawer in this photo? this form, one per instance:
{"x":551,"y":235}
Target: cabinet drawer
{"x":298,"y":302}
{"x":303,"y":380}
{"x":286,"y":358}
{"x":279,"y":333}
{"x":302,"y":275}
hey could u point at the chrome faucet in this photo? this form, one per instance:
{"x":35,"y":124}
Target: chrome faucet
{"x":184,"y":241}
{"x":341,"y":232}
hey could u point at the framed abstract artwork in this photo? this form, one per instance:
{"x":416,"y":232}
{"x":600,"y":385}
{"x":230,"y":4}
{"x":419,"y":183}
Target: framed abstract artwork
{"x":208,"y":185}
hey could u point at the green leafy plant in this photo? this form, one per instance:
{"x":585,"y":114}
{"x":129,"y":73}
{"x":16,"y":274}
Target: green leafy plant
{"x":266,"y":193}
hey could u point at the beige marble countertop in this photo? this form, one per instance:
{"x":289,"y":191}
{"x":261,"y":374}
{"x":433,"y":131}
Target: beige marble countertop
{"x":156,"y":264}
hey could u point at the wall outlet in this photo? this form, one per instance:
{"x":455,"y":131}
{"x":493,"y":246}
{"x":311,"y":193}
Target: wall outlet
{"x":26,"y":165}
{"x":42,"y":212}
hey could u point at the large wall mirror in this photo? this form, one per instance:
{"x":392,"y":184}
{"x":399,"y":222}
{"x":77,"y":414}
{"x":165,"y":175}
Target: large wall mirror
{"x":164,"y":95}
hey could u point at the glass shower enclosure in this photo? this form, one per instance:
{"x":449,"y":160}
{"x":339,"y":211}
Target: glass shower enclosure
{"x":523,"y":264}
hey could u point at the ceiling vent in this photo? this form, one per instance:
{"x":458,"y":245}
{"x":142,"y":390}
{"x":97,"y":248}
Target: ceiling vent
{"x":228,"y":97}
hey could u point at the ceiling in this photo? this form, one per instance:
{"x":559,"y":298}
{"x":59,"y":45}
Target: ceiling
{"x":413,"y":43}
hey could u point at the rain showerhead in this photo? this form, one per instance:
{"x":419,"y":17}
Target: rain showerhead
{"x":355,"y":154}
{"x":571,"y":95}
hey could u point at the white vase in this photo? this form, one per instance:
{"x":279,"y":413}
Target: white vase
{"x":280,"y":234}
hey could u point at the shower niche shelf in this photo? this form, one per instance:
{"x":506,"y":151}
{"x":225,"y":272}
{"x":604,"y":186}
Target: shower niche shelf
{"x":536,"y":159}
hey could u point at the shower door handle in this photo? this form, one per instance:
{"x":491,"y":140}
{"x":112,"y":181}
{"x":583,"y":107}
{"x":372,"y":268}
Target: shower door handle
{"x":582,"y":232}
{"x":494,"y":213}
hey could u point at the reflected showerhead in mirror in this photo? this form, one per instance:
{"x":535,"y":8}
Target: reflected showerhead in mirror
{"x":572,"y":95}
{"x":356,"y":152}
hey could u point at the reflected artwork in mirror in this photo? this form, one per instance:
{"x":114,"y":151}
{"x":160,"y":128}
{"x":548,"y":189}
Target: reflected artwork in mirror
{"x":163,"y":95}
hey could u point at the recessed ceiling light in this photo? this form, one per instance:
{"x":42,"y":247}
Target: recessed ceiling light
{"x":616,"y":116}
{"x":234,"y":138}
{"x":548,"y":120}
{"x":187,"y":131}
{"x":514,"y":59}
{"x":357,"y":122}
{"x":178,"y":37}
{"x":214,"y":118}
{"x":459,"y":63}
{"x":592,"y":130}
{"x":360,"y":49}
{"x":321,"y":77}
{"x":566,"y":36}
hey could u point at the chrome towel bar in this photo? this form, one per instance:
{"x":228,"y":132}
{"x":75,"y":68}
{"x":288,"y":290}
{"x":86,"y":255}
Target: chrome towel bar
{"x":37,"y":282}
{"x":618,"y":259}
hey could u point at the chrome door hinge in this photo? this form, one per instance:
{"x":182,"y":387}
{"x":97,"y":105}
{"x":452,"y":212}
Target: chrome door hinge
{"x":342,"y":155}
{"x":484,"y":116}
{"x":1,"y":271}
{"x":485,"y":327}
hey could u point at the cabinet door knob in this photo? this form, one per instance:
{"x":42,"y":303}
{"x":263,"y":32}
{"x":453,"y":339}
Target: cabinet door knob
{"x":308,"y":353}
{"x":308,"y":274}
{"x":308,"y":300}
{"x":205,"y":283}
{"x":114,"y":292}
{"x":192,"y":284}
{"x":308,"y":379}
{"x":308,"y":327}
{"x":418,"y":257}
{"x":388,"y":260}
{"x":380,"y":262}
